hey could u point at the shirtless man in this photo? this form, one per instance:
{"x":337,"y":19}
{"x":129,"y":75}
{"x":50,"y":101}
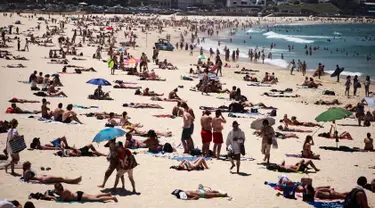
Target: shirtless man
{"x":147,"y":92}
{"x":58,"y":112}
{"x":369,"y":143}
{"x":69,"y":115}
{"x":46,"y":113}
{"x":52,"y":92}
{"x":68,"y":196}
{"x":177,"y":111}
{"x":206,"y":133}
{"x":217,"y":126}
{"x":173,"y":94}
{"x":142,"y":105}
{"x":188,"y":119}
{"x":112,"y":120}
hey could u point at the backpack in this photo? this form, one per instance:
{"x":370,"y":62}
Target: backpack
{"x":167,"y":148}
{"x":351,"y":199}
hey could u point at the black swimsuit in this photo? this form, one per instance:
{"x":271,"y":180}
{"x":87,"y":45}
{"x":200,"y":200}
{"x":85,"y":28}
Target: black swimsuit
{"x":79,"y":195}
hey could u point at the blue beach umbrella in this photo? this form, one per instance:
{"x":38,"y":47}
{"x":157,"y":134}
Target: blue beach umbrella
{"x":99,"y":81}
{"x":108,"y":134}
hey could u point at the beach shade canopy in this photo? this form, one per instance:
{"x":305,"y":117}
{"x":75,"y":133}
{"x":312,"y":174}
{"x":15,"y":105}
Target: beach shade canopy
{"x":333,"y":115}
{"x":108,"y":134}
{"x":17,"y":22}
{"x":258,"y":123}
{"x":370,"y":101}
{"x":201,"y":57}
{"x":99,"y":81}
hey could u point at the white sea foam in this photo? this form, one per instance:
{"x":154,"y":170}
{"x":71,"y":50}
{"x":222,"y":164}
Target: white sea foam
{"x":346,"y":73}
{"x":312,"y":36}
{"x":273,"y":35}
{"x":254,"y":31}
{"x":336,"y":33}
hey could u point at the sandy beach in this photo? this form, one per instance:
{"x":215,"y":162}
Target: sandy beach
{"x":154,"y":179}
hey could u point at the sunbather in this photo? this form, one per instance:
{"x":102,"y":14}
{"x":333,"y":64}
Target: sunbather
{"x":57,"y":144}
{"x":152,"y":142}
{"x":306,"y":148}
{"x":69,"y":115}
{"x":30,"y":175}
{"x":15,"y":66}
{"x":16,"y":100}
{"x":52,"y":92}
{"x":322,"y":102}
{"x":280,"y":95}
{"x":142,"y":133}
{"x":142,"y":105}
{"x":79,"y":196}
{"x":262,"y":105}
{"x":301,"y":166}
{"x":16,"y":110}
{"x":155,"y":98}
{"x":287,"y":129}
{"x":86,"y":151}
{"x":18,"y":57}
{"x":173,"y":94}
{"x":294,"y":122}
{"x":126,"y":123}
{"x":132,"y":143}
{"x":147,"y":92}
{"x":343,"y":135}
{"x":124,"y":86}
{"x":198,"y":164}
{"x":195,"y":195}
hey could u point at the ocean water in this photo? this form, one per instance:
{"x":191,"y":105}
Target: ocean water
{"x":348,"y":45}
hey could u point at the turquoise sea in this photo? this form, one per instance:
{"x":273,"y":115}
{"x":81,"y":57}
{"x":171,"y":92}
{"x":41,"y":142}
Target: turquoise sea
{"x":348,"y":45}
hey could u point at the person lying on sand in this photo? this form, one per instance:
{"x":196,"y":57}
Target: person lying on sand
{"x":57,"y":144}
{"x":278,"y":135}
{"x":155,"y":98}
{"x":310,"y":83}
{"x":86,"y":151}
{"x":132,"y":143}
{"x":280,"y":95}
{"x":16,"y":100}
{"x":293,"y":122}
{"x":15,"y":66}
{"x":261,"y":105}
{"x":195,"y":195}
{"x":31,"y":175}
{"x":248,"y":78}
{"x":102,"y":115}
{"x":301,"y":166}
{"x":142,"y":133}
{"x":142,"y":105}
{"x":147,"y":92}
{"x":306,"y":148}
{"x":69,"y":115}
{"x":79,"y":196}
{"x":20,"y":58}
{"x":78,"y":59}
{"x":198,"y":164}
{"x":269,"y":79}
{"x":287,"y":129}
{"x":322,"y":102}
{"x":350,"y":107}
{"x":248,"y":70}
{"x":55,"y":61}
{"x":53,"y":92}
{"x":16,"y":110}
{"x":329,"y":135}
{"x":124,"y":86}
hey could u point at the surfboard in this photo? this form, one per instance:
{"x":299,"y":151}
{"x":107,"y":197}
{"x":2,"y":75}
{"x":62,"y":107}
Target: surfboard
{"x":337,"y":72}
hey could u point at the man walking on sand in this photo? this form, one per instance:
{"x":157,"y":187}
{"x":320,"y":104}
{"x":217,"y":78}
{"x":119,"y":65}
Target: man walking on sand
{"x":267,"y":133}
{"x":235,"y":138}
{"x":206,"y":133}
{"x":188,"y":119}
{"x":217,"y":126}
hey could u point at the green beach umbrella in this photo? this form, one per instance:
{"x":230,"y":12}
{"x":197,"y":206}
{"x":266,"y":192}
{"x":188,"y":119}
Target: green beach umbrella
{"x":333,"y":114}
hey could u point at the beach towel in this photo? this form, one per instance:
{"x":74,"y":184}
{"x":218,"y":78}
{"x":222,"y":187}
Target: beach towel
{"x":298,"y":156}
{"x":85,"y":107}
{"x":24,"y":82}
{"x":345,"y":149}
{"x":149,"y":79}
{"x":243,"y":158}
{"x":39,"y":118}
{"x":242,"y":115}
{"x":255,"y":84}
{"x":189,"y":158}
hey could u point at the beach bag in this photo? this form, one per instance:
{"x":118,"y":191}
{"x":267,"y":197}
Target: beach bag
{"x":274,"y":143}
{"x":242,"y":149}
{"x":167,"y":148}
{"x":17,"y":144}
{"x":273,"y":113}
{"x":134,"y":164}
{"x":351,"y":199}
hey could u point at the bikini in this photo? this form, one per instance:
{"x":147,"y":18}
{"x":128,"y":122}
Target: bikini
{"x":202,"y":192}
{"x":79,"y":195}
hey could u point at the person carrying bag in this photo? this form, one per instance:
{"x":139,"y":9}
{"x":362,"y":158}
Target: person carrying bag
{"x":14,"y":145}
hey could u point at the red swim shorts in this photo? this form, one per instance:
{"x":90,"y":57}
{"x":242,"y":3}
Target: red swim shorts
{"x":206,"y":136}
{"x":218,"y":137}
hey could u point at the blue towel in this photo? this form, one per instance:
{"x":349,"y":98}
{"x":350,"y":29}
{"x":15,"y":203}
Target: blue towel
{"x":189,"y":158}
{"x":336,"y":204}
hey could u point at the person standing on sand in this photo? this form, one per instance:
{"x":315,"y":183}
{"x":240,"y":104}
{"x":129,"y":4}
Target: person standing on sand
{"x":235,"y":138}
{"x":347,"y":85}
{"x":18,"y":44}
{"x":126,"y":163}
{"x":205,"y":81}
{"x":113,"y":163}
{"x":304,"y":68}
{"x":206,"y":133}
{"x":12,"y":134}
{"x":26,"y":45}
{"x":217,"y":126}
{"x":356,"y":85}
{"x":188,"y":119}
{"x":292,"y":66}
{"x":267,"y":133}
{"x":367,"y":86}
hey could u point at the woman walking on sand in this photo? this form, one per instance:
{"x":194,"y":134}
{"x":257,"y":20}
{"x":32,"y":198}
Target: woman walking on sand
{"x":12,"y":135}
{"x":292,"y":66}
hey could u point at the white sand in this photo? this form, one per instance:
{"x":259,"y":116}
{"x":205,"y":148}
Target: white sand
{"x":154,"y":180}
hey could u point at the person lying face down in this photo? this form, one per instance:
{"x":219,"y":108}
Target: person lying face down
{"x":195,"y":195}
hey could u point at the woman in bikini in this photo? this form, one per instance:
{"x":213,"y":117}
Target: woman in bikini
{"x":124,"y":121}
{"x":68,"y":196}
{"x":132,"y":143}
{"x":300,"y":166}
{"x":306,"y":149}
{"x":147,"y":92}
{"x":198,"y":164}
{"x":287,"y":129}
{"x":30,"y":175}
{"x":152,"y":142}
{"x":195,"y":195}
